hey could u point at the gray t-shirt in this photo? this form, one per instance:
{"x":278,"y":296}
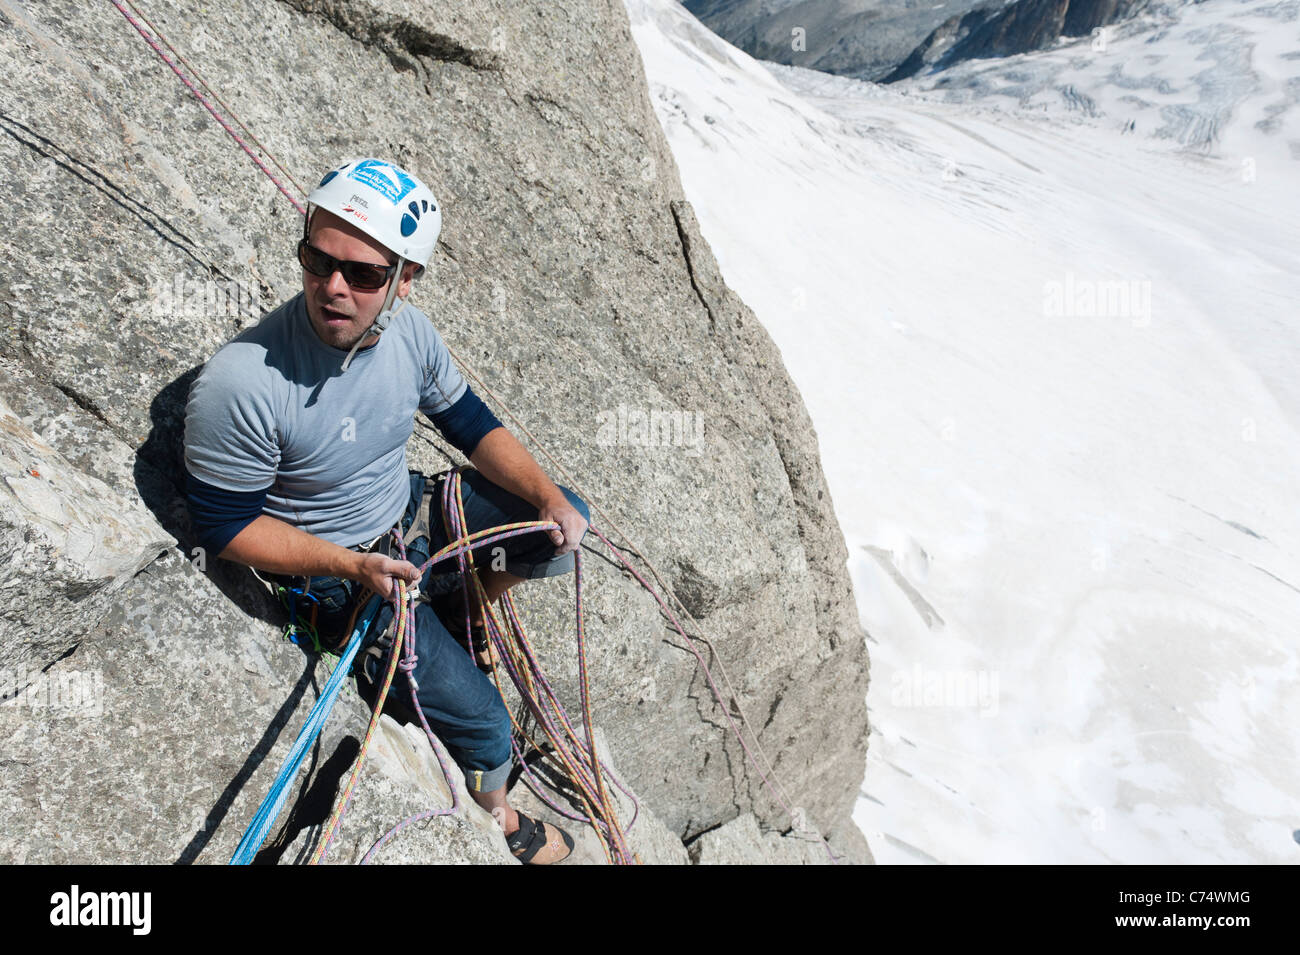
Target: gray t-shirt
{"x":271,"y":410}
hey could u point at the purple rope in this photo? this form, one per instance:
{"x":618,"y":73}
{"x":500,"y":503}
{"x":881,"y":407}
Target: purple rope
{"x":409,"y":661}
{"x":589,"y":774}
{"x":708,"y":675}
{"x":208,"y":106}
{"x":407,"y":665}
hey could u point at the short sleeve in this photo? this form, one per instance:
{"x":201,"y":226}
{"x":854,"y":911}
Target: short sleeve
{"x":443,"y":384}
{"x":231,"y":439}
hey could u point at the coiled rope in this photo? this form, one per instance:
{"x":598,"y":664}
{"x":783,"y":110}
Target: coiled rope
{"x":512,"y":643}
{"x":584,"y":770}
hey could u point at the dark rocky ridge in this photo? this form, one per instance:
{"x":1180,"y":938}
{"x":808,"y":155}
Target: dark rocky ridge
{"x":571,"y":273}
{"x":889,"y":40}
{"x":862,"y":39}
{"x":1021,"y":27}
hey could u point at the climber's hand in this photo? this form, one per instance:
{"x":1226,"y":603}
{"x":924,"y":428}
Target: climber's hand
{"x":381,"y":574}
{"x":572,"y":524}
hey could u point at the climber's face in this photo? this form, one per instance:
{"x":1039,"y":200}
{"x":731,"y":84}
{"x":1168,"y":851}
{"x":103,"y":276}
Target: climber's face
{"x":342,"y":313}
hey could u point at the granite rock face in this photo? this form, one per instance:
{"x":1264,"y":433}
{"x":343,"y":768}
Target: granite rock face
{"x":570,"y":275}
{"x":742,"y":842}
{"x":67,"y":541}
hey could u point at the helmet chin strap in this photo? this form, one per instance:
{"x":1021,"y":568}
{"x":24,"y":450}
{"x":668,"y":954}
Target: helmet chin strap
{"x":386,"y":314}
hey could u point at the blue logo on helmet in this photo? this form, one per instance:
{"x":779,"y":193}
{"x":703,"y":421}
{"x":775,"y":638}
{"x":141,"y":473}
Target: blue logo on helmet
{"x":385,"y":178}
{"x":411,"y":220}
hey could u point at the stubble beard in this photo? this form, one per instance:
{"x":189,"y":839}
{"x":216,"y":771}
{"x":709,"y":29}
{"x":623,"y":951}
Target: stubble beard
{"x":341,"y":338}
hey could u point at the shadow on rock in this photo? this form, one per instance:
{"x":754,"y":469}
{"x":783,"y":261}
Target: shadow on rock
{"x":212,"y":822}
{"x":160,"y":479}
{"x":320,"y":792}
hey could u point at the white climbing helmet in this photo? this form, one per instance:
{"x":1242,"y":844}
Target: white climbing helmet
{"x":389,"y":205}
{"x":385,"y":202}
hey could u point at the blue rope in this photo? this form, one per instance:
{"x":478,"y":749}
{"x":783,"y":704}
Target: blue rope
{"x":270,"y":808}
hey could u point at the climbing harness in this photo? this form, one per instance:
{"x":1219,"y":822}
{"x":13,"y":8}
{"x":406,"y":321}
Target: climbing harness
{"x":518,"y":657}
{"x":293,"y":630}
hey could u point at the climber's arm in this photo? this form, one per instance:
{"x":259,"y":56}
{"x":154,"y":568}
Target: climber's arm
{"x":507,"y":464}
{"x":231,"y":525}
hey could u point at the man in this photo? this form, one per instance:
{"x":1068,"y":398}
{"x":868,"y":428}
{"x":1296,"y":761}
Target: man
{"x":295,"y":444}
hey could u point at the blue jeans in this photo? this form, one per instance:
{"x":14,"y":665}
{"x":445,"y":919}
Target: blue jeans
{"x":461,"y":703}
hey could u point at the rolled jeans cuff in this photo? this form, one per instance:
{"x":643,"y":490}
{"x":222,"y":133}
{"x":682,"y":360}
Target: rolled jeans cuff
{"x":486,"y":780}
{"x":547,"y":568}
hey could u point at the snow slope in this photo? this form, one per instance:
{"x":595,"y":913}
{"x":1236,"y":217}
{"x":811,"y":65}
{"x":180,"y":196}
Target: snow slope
{"x":1051,"y":366}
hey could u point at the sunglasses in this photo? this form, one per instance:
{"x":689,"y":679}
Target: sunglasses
{"x":359,"y":275}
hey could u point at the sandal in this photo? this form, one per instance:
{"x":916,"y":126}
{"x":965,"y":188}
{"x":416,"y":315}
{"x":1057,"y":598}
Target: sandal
{"x":539,"y":843}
